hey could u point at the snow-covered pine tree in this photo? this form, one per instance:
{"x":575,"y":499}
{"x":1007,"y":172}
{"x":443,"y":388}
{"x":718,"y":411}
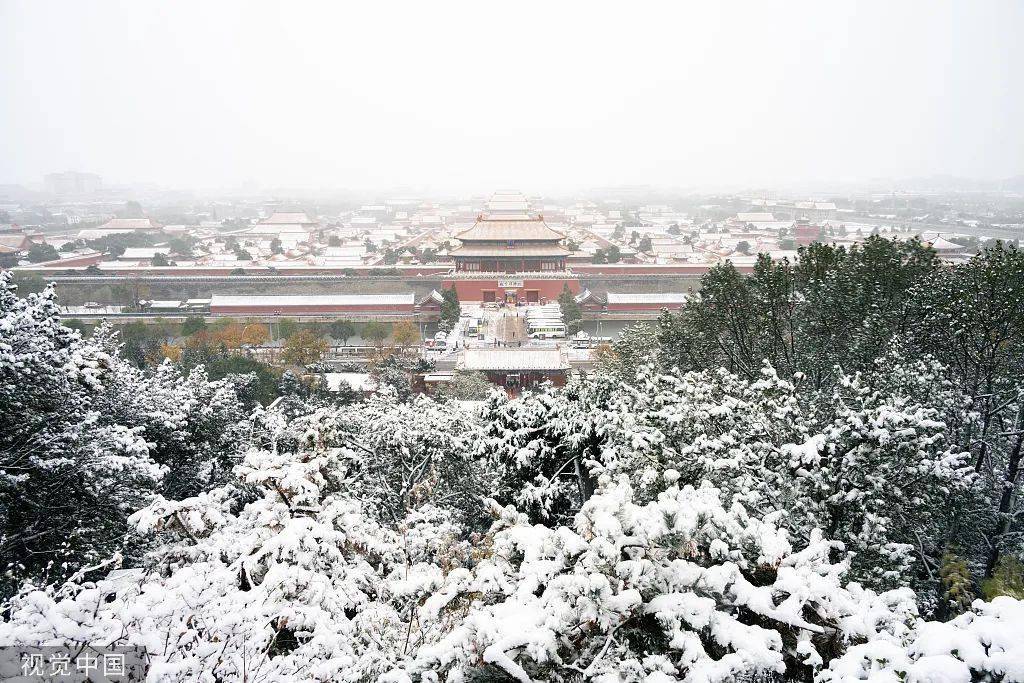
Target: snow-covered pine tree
{"x":68,"y":476}
{"x":86,"y":438}
{"x":682,"y":587}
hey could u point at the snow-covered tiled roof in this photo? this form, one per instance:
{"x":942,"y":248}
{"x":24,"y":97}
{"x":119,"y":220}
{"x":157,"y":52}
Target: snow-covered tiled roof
{"x":942,"y":244}
{"x":15,"y":242}
{"x":288,"y":218}
{"x":771,"y":225}
{"x":345,"y":250}
{"x":755,"y":217}
{"x":518,"y":250}
{"x":280,"y":229}
{"x":144,"y":252}
{"x":130,"y":224}
{"x":512,"y":359}
{"x":360,"y":381}
{"x":646,"y":298}
{"x":506,"y":228}
{"x":96,"y":233}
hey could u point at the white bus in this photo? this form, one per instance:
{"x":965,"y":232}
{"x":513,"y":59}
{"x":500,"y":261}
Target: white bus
{"x":546,"y":329}
{"x":531,"y":324}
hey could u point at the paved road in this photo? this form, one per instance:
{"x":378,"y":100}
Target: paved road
{"x":511,"y":327}
{"x":504,"y":325}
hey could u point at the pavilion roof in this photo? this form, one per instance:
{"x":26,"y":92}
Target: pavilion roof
{"x":942,"y":244}
{"x":512,"y":359}
{"x":506,"y":228}
{"x":504,"y":250}
{"x":646,"y":298}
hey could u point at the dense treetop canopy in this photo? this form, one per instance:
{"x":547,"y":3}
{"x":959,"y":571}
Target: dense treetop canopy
{"x":807,"y":474}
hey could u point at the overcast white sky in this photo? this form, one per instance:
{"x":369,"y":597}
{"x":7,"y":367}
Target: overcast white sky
{"x":478,"y":95}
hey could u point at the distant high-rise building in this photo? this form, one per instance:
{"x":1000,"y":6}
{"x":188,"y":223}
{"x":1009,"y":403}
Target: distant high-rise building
{"x":72,"y":182}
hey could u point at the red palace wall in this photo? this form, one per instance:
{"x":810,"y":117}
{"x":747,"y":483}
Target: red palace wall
{"x":648,"y":269}
{"x":547,"y":289}
{"x":175,"y":271}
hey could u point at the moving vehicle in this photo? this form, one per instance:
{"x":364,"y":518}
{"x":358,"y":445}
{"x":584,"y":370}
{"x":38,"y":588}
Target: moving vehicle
{"x":582,"y":340}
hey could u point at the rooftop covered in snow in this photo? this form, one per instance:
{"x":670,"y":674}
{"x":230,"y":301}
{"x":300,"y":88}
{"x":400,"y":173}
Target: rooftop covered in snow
{"x":512,"y":359}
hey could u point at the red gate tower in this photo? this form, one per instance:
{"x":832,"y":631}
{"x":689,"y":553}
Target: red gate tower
{"x":510,"y":254}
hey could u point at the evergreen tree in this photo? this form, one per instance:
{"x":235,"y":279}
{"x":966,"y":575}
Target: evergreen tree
{"x":193,"y":325}
{"x":958,"y":592}
{"x":572,"y":314}
{"x":342,"y":330}
{"x":765,"y":486}
{"x":69,"y":475}
{"x":450,"y":309}
{"x":466,"y":386}
{"x":1007,"y":579}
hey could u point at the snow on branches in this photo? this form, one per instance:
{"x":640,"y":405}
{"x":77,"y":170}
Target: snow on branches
{"x":699,"y":526}
{"x":304,"y":581}
{"x":873,"y":463}
{"x":681,"y":587}
{"x":86,"y":439}
{"x":985,"y":644}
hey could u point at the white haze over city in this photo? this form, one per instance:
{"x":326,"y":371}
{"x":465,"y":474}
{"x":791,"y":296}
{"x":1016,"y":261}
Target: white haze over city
{"x":545,"y":96}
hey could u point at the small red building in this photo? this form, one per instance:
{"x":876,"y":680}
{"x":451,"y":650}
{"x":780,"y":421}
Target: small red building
{"x":805,"y":232}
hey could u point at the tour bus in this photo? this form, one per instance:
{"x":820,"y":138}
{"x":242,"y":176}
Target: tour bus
{"x":546,"y":329}
{"x":545,"y":318}
{"x":543,"y":322}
